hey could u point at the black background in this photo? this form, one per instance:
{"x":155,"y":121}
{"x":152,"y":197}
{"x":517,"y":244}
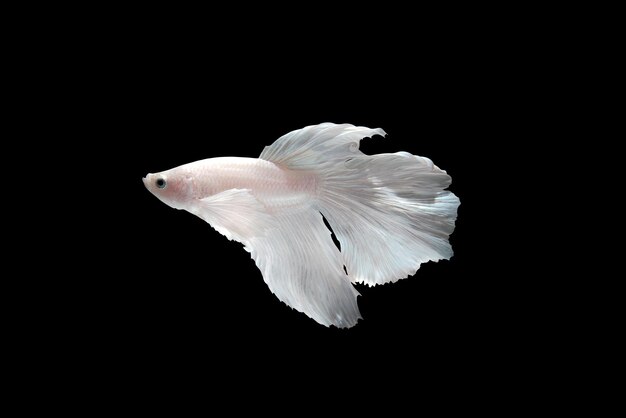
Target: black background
{"x":131,"y":300}
{"x":164,"y":294}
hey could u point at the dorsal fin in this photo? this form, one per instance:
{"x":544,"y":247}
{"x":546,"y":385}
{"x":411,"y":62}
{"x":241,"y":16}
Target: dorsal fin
{"x":316,"y":145}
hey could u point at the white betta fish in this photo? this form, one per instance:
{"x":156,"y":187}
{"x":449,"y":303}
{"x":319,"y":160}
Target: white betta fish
{"x":390,"y":213}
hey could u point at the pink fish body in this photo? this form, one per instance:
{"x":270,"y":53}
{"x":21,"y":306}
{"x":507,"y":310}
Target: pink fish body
{"x":389,"y":212}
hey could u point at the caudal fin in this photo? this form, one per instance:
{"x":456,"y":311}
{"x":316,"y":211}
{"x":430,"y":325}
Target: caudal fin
{"x":390,"y":212}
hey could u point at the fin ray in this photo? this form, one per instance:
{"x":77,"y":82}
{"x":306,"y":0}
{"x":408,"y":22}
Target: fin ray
{"x":234,"y":213}
{"x":303,"y":268}
{"x":294,"y":251}
{"x":390,"y":212}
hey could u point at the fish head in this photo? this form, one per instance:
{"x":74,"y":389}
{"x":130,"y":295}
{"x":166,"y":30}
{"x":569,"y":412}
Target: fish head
{"x":173,"y":187}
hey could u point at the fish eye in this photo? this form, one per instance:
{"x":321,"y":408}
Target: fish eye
{"x":161,"y":183}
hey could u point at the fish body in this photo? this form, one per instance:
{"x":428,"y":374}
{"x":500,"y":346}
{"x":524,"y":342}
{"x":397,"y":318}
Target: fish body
{"x":390,"y":213}
{"x":274,"y":186}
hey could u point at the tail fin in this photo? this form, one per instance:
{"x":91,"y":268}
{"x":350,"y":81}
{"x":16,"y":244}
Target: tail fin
{"x":390,"y":212}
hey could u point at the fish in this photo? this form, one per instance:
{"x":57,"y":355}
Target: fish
{"x":389,"y":212}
